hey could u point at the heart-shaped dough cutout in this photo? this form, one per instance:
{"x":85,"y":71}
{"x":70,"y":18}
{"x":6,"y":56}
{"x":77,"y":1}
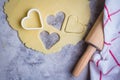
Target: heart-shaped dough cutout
{"x":56,"y":21}
{"x":33,"y":21}
{"x":49,"y":39}
{"x":74,"y":25}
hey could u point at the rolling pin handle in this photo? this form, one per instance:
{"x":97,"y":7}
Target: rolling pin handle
{"x":84,"y":60}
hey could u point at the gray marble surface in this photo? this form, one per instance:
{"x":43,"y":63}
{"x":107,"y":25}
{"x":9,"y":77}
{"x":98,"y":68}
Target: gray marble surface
{"x":20,"y":63}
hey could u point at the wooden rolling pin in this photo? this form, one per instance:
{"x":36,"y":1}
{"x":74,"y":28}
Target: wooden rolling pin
{"x":95,"y":39}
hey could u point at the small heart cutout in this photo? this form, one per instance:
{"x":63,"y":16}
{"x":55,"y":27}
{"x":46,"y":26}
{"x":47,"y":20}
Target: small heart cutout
{"x":33,"y":20}
{"x":74,"y":25}
{"x":49,"y":39}
{"x":56,"y":21}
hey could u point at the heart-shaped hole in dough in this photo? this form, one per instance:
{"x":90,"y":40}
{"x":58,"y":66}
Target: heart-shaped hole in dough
{"x":33,"y":21}
{"x":49,"y":40}
{"x":56,"y":21}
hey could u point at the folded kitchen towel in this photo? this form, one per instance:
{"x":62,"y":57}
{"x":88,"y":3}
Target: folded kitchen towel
{"x":106,"y":64}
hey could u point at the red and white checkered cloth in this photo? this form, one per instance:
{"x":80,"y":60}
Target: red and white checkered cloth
{"x":106,"y":65}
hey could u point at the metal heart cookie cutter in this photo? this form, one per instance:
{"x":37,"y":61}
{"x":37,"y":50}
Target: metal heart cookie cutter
{"x":28,"y":16}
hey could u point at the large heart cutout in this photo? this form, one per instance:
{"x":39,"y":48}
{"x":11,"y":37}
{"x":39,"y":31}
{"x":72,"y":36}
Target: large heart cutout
{"x":33,"y":21}
{"x":49,"y":39}
{"x":56,"y":21}
{"x":74,"y":25}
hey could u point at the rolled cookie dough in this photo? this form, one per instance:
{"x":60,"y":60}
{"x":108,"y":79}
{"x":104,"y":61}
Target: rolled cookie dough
{"x":76,"y":17}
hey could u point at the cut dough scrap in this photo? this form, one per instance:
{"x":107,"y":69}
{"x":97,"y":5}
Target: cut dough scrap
{"x":74,"y":25}
{"x":16,"y":10}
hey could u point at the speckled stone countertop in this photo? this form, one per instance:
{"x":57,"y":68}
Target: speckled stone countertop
{"x":20,"y":63}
